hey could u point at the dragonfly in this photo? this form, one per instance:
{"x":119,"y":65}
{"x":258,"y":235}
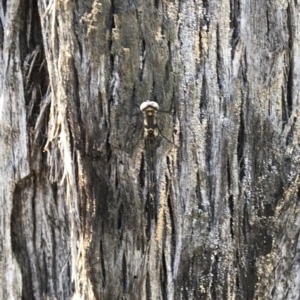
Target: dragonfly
{"x":151,"y":131}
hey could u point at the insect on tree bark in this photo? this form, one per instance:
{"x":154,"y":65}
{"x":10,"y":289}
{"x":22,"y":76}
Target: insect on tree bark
{"x":149,"y":110}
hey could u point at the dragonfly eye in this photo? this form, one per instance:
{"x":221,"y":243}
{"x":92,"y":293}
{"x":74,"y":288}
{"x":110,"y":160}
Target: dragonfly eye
{"x":149,"y":104}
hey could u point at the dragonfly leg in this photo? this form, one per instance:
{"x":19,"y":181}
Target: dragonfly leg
{"x":164,"y":136}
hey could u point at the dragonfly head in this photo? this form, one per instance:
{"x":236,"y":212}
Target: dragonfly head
{"x":149,"y":104}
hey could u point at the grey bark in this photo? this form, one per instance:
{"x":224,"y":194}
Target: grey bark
{"x":73,"y":173}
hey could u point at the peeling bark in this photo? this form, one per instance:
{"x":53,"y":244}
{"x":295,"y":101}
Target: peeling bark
{"x":74,"y":184}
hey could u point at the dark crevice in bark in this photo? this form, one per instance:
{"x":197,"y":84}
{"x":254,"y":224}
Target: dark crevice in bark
{"x":54,"y":188}
{"x":121,"y":236}
{"x":142,"y":172}
{"x":4,"y":2}
{"x":240,"y":146}
{"x":285,"y":110}
{"x":83,"y":212}
{"x":203,"y":99}
{"x":76,"y":100}
{"x":168,"y":66}
{"x":168,"y":164}
{"x":208,"y":152}
{"x":139,"y":241}
{"x":120,"y":216}
{"x":273,"y":291}
{"x":290,"y":82}
{"x":237,"y":278}
{"x":173,"y":229}
{"x":170,"y":55}
{"x":269,"y":209}
{"x":214,"y":285}
{"x":109,"y":168}
{"x":143,"y":242}
{"x":148,"y":287}
{"x":53,"y":263}
{"x":79,"y":43}
{"x":124,"y":273}
{"x":102,"y":265}
{"x":235,"y":15}
{"x":181,"y":142}
{"x":1,"y":35}
{"x":198,"y":193}
{"x":112,"y":10}
{"x":231,"y":208}
{"x":173,"y":104}
{"x":156,"y":4}
{"x":245,"y":220}
{"x":230,"y":200}
{"x":219,"y":62}
{"x":268,"y":23}
{"x":228,"y":176}
{"x":116,"y":178}
{"x":72,"y":135}
{"x":108,"y":148}
{"x":250,"y":275}
{"x":201,"y":48}
{"x":153,"y":96}
{"x":298,"y":196}
{"x":163,"y":277}
{"x":149,"y":217}
{"x":245,"y":69}
{"x":35,"y":184}
{"x":112,"y":63}
{"x":110,"y":43}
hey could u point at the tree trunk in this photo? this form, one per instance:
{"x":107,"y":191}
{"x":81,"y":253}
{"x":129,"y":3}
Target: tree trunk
{"x":75,"y":213}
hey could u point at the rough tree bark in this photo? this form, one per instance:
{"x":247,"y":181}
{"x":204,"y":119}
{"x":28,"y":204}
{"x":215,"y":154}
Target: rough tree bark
{"x":73,"y":172}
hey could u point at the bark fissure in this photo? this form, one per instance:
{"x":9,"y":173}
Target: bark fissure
{"x":235,"y":15}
